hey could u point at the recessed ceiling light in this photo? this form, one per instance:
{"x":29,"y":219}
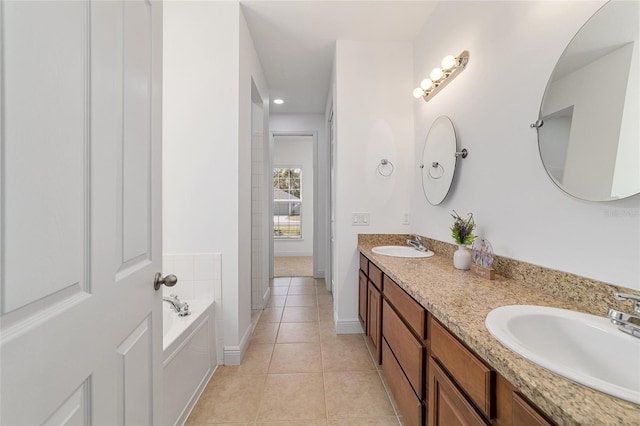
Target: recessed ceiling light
{"x":278,"y":101}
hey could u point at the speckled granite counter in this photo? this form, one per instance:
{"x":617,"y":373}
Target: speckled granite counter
{"x":461,"y":300}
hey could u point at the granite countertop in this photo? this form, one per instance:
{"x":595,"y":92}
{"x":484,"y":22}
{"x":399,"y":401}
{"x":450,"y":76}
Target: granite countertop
{"x":461,"y":300}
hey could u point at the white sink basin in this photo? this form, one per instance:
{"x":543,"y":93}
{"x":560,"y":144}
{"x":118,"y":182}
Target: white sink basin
{"x":401,"y":251}
{"x":584,"y":348}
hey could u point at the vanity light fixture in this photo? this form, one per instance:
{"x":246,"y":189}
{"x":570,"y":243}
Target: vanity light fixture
{"x":440,"y":77}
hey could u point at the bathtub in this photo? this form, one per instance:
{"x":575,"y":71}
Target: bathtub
{"x":189,"y":357}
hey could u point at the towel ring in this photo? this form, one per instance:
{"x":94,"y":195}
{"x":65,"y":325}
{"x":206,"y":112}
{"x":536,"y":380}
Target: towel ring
{"x":437,"y":166}
{"x":384,"y":162}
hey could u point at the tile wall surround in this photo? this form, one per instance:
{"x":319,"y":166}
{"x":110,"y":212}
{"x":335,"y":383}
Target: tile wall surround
{"x":595,"y":296}
{"x":199,"y":277}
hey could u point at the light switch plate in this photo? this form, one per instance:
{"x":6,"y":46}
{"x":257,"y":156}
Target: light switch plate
{"x":360,"y":219}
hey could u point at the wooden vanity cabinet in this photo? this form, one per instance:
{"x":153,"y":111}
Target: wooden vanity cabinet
{"x":434,"y":378}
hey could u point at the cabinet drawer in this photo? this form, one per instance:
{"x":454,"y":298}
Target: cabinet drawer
{"x":408,"y":404}
{"x":413,"y":313}
{"x":364,"y":264}
{"x":470,"y":373}
{"x":407,"y":349}
{"x":447,"y":405}
{"x":375,"y":276}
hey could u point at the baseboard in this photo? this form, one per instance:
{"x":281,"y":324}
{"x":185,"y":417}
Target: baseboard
{"x":348,"y":327}
{"x":233,"y":354}
{"x":265,"y":299}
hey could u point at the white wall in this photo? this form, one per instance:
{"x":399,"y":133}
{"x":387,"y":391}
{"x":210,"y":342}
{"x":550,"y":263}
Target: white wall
{"x":374,"y":120}
{"x":209,"y":61}
{"x":309,"y":123}
{"x":514,"y":47}
{"x":297,"y":151}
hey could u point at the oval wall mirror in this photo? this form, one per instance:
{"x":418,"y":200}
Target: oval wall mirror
{"x":590,"y":140}
{"x":438,"y":160}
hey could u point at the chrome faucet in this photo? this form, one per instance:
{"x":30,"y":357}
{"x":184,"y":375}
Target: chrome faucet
{"x":627,"y":323}
{"x":416,"y":242}
{"x":182,"y":308}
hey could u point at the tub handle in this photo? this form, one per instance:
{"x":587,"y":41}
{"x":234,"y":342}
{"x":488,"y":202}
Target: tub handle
{"x":169,"y":281}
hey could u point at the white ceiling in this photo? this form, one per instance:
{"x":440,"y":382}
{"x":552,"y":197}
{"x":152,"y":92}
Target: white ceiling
{"x":295,"y":41}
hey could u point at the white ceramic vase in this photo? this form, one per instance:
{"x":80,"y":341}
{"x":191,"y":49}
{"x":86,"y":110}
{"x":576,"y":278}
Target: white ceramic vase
{"x":462,"y":258}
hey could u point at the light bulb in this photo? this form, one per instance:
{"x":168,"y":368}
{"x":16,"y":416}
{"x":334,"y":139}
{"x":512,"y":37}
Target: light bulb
{"x":426,"y":84}
{"x":448,"y":62}
{"x":278,"y":101}
{"x":436,"y":74}
{"x":418,"y":93}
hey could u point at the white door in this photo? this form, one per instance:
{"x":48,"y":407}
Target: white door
{"x":80,"y":217}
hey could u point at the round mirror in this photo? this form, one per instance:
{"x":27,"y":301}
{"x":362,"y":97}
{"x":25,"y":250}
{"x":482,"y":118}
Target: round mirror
{"x":590,"y":140}
{"x":438,"y":160}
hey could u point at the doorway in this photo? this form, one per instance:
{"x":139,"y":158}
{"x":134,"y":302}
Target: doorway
{"x":293,"y":204}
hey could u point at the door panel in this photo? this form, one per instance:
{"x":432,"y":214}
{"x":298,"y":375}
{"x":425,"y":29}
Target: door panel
{"x":136,"y":139}
{"x":81,"y":325}
{"x":53,"y":213}
{"x":73,"y":411}
{"x":134,"y":375}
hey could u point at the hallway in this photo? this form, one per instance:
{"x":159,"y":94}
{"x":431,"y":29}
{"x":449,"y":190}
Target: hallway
{"x":297,"y":371}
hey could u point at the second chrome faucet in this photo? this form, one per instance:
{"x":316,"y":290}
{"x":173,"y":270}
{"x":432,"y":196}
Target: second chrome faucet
{"x":627,"y":323}
{"x":416,"y":242}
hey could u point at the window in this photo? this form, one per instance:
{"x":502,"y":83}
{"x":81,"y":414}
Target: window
{"x":287,"y":202}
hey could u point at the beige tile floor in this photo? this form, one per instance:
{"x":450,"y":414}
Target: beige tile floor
{"x":297,"y":370}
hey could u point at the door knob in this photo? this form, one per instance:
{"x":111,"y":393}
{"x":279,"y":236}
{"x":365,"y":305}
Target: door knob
{"x":169,"y":281}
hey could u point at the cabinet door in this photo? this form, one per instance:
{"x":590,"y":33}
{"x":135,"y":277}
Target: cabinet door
{"x":362,"y":301}
{"x":447,"y":405}
{"x":526,"y":415}
{"x":374,"y":319}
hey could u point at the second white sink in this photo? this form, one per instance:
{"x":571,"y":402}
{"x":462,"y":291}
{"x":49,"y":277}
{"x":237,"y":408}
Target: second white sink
{"x":401,"y":251}
{"x":584,"y":348}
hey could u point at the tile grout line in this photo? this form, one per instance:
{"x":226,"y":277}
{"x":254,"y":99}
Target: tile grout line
{"x":324,"y":384}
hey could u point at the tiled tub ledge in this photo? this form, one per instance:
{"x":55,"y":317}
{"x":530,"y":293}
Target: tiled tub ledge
{"x":461,"y":300}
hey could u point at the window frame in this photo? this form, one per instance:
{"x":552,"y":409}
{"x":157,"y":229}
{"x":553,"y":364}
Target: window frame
{"x":291,"y":202}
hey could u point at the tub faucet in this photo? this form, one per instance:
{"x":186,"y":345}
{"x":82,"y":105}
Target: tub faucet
{"x":627,"y":323}
{"x":182,"y":308}
{"x":416,"y":242}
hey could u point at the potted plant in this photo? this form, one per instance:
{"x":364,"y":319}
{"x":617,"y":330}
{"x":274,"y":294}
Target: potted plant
{"x":462,"y":233}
